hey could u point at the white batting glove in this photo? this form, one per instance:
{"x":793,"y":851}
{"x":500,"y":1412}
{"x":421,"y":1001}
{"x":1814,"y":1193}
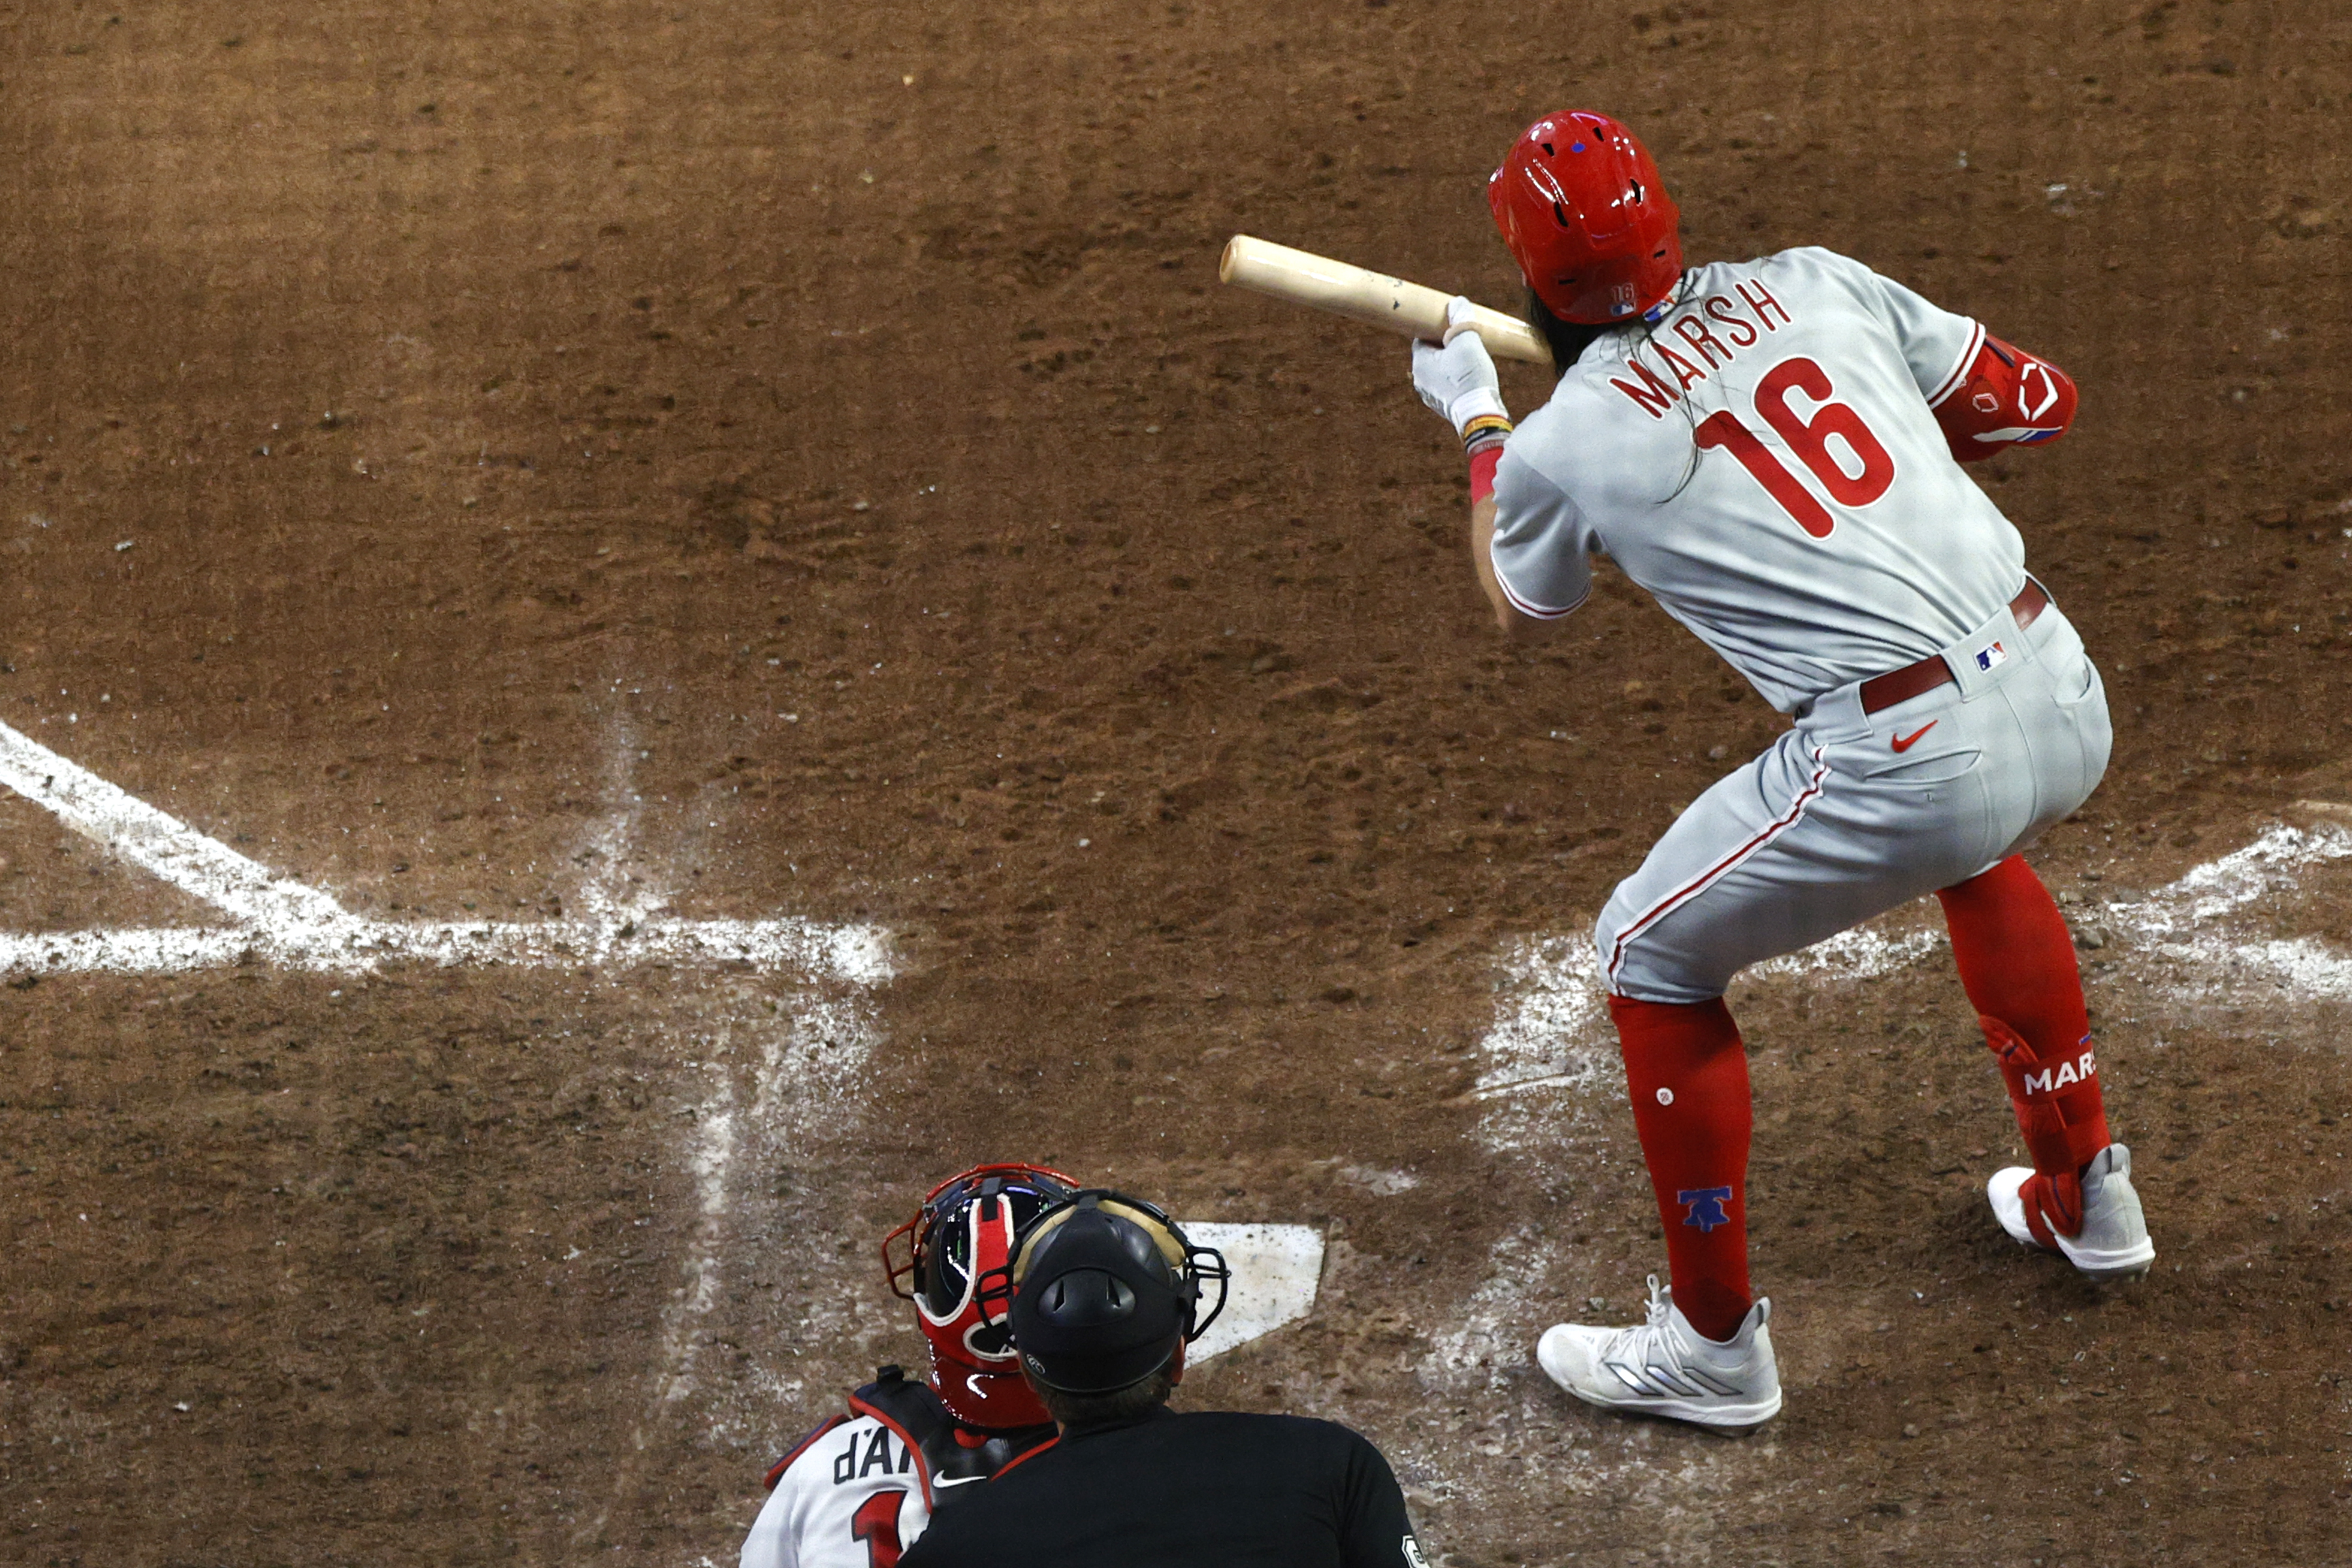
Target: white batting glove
{"x":1457,"y":381}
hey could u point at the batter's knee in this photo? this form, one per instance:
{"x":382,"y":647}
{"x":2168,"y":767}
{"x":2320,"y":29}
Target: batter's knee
{"x":1632,"y":964}
{"x":1606,"y":932}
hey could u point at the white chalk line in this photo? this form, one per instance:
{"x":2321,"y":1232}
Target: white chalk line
{"x":1861,"y":953}
{"x":2178,"y":922}
{"x":800,"y":1098}
{"x":709,"y":1154}
{"x":1483,"y":1346}
{"x":2271,"y":863}
{"x":812,"y":1049}
{"x":854,"y":955}
{"x":276,"y":920}
{"x":149,"y":838}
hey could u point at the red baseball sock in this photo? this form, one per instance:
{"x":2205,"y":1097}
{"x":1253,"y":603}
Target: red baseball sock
{"x":2016,"y":960}
{"x":1686,"y":1070}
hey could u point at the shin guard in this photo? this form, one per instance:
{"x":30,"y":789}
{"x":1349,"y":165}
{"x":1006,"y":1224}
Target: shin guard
{"x":1686,"y":1072}
{"x":2063,"y":1120}
{"x":2016,"y":959}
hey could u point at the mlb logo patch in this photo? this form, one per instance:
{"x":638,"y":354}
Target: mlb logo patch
{"x":1991,"y":656}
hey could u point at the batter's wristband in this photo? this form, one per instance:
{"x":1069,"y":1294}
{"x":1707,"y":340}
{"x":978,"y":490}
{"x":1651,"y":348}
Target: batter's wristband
{"x":1486,"y":430}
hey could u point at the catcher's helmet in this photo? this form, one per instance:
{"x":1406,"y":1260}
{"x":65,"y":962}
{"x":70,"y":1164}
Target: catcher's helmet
{"x":1101,"y":1291}
{"x":1579,"y":204}
{"x":966,"y":1225}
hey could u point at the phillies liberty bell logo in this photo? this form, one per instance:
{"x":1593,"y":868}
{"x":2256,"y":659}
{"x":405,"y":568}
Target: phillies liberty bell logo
{"x":1702,"y":1206}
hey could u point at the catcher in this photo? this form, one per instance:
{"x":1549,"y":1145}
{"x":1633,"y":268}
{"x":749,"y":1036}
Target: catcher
{"x":1103,"y":1293}
{"x":857,"y":1490}
{"x":1772,"y":449}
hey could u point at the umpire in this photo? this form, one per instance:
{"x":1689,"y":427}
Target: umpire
{"x":1105,"y":1294}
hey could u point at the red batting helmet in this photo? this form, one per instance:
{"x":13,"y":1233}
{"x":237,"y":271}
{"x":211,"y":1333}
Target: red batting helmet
{"x":1585,"y":214}
{"x":966,"y":1228}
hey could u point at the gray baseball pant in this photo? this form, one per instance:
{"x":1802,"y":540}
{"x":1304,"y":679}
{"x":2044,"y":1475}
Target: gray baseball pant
{"x":1834,"y":824}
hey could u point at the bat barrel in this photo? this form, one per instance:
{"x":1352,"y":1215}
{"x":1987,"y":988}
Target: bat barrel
{"x":1374,"y":298}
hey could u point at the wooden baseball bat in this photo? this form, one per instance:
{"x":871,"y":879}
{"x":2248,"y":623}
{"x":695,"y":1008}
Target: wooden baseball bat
{"x":1370,"y":297}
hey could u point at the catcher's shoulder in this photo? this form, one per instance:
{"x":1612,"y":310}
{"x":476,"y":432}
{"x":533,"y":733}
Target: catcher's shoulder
{"x":841,"y":1426}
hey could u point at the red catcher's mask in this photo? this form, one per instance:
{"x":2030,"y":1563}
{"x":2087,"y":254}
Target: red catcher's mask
{"x":1579,"y":204}
{"x":966,"y":1228}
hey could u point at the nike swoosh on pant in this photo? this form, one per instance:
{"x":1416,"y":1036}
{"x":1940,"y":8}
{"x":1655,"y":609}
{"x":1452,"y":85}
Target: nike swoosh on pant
{"x":1904,"y":743}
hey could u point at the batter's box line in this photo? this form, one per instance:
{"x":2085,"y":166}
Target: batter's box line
{"x":276,"y":920}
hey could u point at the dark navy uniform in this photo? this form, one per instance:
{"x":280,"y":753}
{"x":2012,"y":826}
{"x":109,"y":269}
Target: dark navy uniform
{"x":1194,"y":1488}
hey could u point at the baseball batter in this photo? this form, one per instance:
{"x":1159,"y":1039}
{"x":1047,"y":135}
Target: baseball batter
{"x":859,"y":1489}
{"x":1773,"y":448}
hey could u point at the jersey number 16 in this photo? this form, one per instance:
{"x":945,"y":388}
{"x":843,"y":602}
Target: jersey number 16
{"x":1809,"y":441}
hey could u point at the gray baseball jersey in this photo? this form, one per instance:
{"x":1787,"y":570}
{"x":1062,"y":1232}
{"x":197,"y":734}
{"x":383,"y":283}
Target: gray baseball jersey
{"x":1765,"y":461}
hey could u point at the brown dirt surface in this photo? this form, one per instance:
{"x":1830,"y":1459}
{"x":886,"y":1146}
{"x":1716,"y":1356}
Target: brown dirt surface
{"x":764,"y":462}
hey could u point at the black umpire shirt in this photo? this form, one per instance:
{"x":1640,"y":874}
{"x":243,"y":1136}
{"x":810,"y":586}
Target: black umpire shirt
{"x":1197,"y":1489}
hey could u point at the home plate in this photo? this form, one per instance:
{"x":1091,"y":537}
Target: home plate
{"x":1276,"y":1269}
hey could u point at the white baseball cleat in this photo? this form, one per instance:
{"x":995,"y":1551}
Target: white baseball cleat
{"x":1666,"y":1367}
{"x":2111,"y":1243}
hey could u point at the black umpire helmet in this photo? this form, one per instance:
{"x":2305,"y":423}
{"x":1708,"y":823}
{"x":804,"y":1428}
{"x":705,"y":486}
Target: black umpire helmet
{"x":1102,"y":1288}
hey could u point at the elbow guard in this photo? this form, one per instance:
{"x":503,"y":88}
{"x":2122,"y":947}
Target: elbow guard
{"x":2005,"y":398}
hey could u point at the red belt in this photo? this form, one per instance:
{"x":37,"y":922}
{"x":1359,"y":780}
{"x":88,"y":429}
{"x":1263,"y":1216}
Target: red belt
{"x":1901,"y":685}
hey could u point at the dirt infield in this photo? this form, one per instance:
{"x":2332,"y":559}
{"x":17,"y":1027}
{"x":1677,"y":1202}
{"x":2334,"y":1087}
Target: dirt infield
{"x":638,"y":462}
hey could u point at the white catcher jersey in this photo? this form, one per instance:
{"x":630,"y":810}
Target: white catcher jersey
{"x":852,"y":1495}
{"x":1765,"y":462}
